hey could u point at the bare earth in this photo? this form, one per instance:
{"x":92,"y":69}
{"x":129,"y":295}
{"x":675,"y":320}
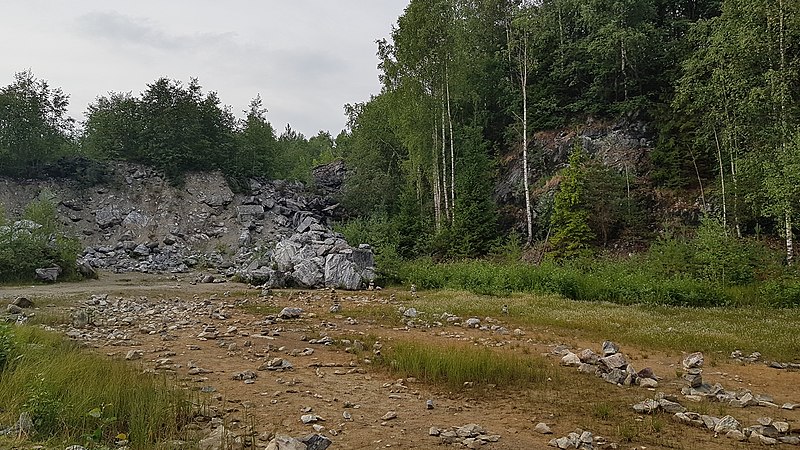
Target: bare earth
{"x":330,"y":381}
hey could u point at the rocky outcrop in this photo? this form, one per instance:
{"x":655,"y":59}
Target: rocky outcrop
{"x":278,"y":233}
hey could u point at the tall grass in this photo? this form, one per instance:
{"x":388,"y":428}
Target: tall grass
{"x":453,"y":365}
{"x":74,"y":395}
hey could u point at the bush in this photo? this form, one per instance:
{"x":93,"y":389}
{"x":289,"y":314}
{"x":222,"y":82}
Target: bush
{"x":36,"y":241}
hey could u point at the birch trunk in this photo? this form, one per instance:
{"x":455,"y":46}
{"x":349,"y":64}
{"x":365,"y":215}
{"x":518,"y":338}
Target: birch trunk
{"x":452,"y":154}
{"x":789,"y":241}
{"x":525,"y":169}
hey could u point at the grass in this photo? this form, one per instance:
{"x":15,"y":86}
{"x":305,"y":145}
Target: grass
{"x":454,"y":365}
{"x":75,"y":396}
{"x":771,"y":331}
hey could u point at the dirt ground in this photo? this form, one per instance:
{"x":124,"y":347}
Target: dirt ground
{"x":331,"y":381}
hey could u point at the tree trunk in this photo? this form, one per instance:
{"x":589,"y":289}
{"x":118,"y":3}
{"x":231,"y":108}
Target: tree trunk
{"x":722,"y":180}
{"x":789,"y":241}
{"x":525,"y":169}
{"x":444,"y":167}
{"x":452,"y":155}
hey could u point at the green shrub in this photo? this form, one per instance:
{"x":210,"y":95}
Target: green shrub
{"x":36,"y":241}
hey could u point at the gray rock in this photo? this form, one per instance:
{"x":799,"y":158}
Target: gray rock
{"x":570,"y":360}
{"x":135,"y":219}
{"x":670,"y":407}
{"x":648,"y":406}
{"x":609,"y":348}
{"x":14,"y":309}
{"x":726,"y":424}
{"x":107,"y":216}
{"x":542,"y":428}
{"x":342,"y":273}
{"x":290,"y":313}
{"x":587,"y":356}
{"x":283,"y":442}
{"x":308,"y":273}
{"x":614,"y":361}
{"x":648,"y":383}
{"x":736,"y":435}
{"x":49,"y":274}
{"x":615,"y":376}
{"x":693,"y":361}
{"x":316,"y":442}
{"x":140,"y":251}
{"x":473,"y":322}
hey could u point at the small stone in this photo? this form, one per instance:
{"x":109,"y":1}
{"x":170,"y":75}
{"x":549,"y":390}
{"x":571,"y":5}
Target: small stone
{"x":570,"y":360}
{"x":429,"y":404}
{"x":790,"y":406}
{"x":726,"y":424}
{"x":781,"y":427}
{"x":290,"y":313}
{"x":542,"y":428}
{"x":791,"y":440}
{"x":609,"y":348}
{"x":693,"y":361}
{"x":614,"y":361}
{"x":736,"y":435}
{"x":134,"y":355}
{"x":648,"y":406}
{"x":648,"y":383}
{"x":13,"y":309}
{"x":310,"y":418}
{"x":316,"y":441}
{"x":433,"y":431}
{"x":23,"y":302}
{"x":389,"y":415}
{"x":764,"y":420}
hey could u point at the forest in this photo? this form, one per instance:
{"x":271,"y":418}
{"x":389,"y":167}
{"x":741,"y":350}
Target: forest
{"x":466,"y":86}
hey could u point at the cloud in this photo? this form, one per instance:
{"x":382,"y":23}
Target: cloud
{"x":117,"y":29}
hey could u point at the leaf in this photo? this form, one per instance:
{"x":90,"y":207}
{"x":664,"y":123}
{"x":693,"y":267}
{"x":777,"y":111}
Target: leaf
{"x":121,"y":437}
{"x":96,"y":413}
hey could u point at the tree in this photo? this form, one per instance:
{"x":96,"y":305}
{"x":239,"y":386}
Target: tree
{"x":572,"y":235}
{"x":34,"y":126}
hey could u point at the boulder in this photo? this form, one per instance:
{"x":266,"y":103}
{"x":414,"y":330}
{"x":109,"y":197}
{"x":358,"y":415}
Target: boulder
{"x":107,"y":216}
{"x":48,"y":274}
{"x":308,"y":273}
{"x":342,"y":273}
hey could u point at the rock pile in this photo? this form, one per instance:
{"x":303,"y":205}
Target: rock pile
{"x":698,"y":390}
{"x":611,"y":366}
{"x":468,"y":436}
{"x":766,"y":432}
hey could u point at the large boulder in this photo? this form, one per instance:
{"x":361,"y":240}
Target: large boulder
{"x":340,"y":272}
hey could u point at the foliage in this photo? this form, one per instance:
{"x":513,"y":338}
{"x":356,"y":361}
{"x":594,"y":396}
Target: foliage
{"x":572,"y":235}
{"x":34,"y":127}
{"x":36,"y":241}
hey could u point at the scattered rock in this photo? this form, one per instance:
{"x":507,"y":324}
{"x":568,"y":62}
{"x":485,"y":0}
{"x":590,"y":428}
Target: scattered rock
{"x":542,"y":428}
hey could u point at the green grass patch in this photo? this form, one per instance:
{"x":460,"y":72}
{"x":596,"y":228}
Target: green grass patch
{"x":454,"y":365}
{"x":75,"y":396}
{"x":720,"y":330}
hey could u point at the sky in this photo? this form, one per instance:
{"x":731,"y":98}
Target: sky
{"x":306,"y":58}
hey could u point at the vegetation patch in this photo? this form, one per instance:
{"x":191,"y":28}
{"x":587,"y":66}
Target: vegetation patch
{"x":454,"y":365}
{"x":72,"y":395}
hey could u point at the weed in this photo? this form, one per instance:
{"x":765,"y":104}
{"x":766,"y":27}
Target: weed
{"x":602,"y":411}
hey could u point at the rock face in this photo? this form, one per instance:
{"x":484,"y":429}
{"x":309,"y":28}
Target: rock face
{"x":276,"y":234}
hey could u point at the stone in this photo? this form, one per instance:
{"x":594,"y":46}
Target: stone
{"x":290,"y":313}
{"x":781,"y":427}
{"x":48,"y":274}
{"x":410,"y":313}
{"x":134,"y":355}
{"x":473,"y":322}
{"x":671,"y":407}
{"x":107,"y":216}
{"x":609,"y":348}
{"x":389,"y":415}
{"x":693,"y":361}
{"x":23,"y":302}
{"x":726,"y":424}
{"x":615,"y":376}
{"x":587,"y":356}
{"x":310,"y":418}
{"x":570,"y":360}
{"x":342,"y":273}
{"x":791,"y":440}
{"x":14,"y":309}
{"x":736,"y":435}
{"x":648,"y":406}
{"x":283,"y":442}
{"x":542,"y":428}
{"x":308,"y":273}
{"x":316,"y":442}
{"x":648,"y":383}
{"x":614,"y":361}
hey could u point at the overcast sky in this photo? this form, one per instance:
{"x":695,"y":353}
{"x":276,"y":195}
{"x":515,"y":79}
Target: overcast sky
{"x":306,"y":58}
